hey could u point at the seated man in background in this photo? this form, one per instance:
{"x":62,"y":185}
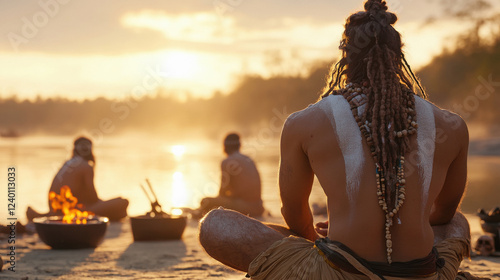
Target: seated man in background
{"x":78,"y":174}
{"x":240,"y":188}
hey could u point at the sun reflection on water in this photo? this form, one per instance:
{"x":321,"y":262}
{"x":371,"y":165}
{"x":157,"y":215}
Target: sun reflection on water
{"x":179,"y":190}
{"x":177,"y":212}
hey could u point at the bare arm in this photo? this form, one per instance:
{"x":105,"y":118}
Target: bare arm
{"x":295,"y":181}
{"x":225,"y":179}
{"x":449,"y":198}
{"x":89,"y":194}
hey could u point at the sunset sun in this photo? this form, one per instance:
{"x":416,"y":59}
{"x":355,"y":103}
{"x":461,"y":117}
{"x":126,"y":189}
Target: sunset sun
{"x":180,"y":65}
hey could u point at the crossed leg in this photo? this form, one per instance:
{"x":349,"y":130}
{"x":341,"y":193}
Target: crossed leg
{"x":452,"y":241}
{"x":235,"y":239}
{"x":458,"y":227}
{"x":115,"y":209}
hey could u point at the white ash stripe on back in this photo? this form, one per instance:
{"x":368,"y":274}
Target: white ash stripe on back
{"x":349,"y":137}
{"x":426,"y":138}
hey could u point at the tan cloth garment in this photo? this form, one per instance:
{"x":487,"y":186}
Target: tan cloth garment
{"x":296,"y":258}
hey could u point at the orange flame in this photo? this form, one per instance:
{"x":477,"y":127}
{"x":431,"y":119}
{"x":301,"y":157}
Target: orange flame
{"x":67,"y":203}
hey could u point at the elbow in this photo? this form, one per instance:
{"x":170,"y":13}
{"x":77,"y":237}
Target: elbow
{"x":289,"y":211}
{"x":441,"y":218}
{"x":295,"y":215}
{"x":288,"y":214}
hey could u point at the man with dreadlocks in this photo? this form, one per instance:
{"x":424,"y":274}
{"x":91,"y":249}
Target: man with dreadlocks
{"x":392,"y":165}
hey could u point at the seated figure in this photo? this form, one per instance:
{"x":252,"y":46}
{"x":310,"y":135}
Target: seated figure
{"x":240,"y":188}
{"x":78,"y":174}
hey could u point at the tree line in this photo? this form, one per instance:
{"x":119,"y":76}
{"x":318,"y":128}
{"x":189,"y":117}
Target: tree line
{"x":466,"y":80}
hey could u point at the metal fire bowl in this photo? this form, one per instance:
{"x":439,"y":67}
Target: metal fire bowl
{"x":59,"y":235}
{"x":490,"y":227}
{"x":146,"y":228}
{"x":494,"y":229}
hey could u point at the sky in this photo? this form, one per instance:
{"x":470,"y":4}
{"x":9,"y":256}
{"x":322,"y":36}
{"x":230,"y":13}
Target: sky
{"x":83,"y":49}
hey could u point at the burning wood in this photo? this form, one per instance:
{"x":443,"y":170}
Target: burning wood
{"x":67,"y":203}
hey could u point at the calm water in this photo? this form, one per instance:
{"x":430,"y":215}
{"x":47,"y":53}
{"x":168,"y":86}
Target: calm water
{"x":180,"y":172}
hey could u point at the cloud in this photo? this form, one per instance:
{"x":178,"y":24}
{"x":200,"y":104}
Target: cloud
{"x":198,"y":27}
{"x":118,"y":27}
{"x":204,"y":29}
{"x":80,"y":27}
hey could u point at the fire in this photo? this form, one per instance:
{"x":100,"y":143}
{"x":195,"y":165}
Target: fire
{"x":67,"y":203}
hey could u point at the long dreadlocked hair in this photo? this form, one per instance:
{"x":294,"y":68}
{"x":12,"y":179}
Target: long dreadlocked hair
{"x":372,"y":55}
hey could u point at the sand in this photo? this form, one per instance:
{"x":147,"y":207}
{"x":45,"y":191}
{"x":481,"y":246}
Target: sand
{"x":118,"y":257}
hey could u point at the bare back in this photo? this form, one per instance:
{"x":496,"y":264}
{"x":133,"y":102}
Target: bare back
{"x":240,"y":178}
{"x":78,"y":175}
{"x":324,"y":140}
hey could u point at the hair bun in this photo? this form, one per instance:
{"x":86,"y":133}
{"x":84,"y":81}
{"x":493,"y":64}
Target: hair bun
{"x":391,"y":18}
{"x":374,"y":6}
{"x":378,"y":9}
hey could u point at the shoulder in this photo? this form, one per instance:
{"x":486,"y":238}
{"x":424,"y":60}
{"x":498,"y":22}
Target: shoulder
{"x":314,"y":113}
{"x":451,"y":123}
{"x":452,"y":120}
{"x":81,"y":164}
{"x":296,"y":123}
{"x":315,"y":116}
{"x":455,"y":126}
{"x":448,"y":119}
{"x":230,"y":160}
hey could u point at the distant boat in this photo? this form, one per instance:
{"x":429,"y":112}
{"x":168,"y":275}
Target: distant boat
{"x":9,"y":133}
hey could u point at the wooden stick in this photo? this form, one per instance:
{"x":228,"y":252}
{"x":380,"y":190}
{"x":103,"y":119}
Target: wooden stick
{"x":147,"y":195}
{"x":152,"y":191}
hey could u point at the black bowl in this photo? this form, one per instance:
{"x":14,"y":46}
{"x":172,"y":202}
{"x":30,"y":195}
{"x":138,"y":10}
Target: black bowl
{"x":58,"y":235}
{"x":490,"y":227}
{"x":166,"y":227}
{"x":494,"y":229}
{"x":493,"y":216}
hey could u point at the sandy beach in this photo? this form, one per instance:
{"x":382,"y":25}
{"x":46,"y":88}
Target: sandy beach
{"x":119,"y":257}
